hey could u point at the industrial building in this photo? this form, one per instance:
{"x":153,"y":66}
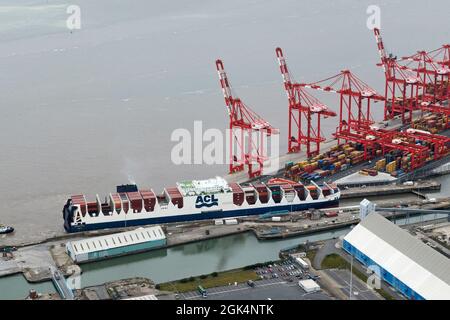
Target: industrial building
{"x":406,"y":263}
{"x":297,"y":258}
{"x":141,"y":239}
{"x":309,"y":285}
{"x":146,"y":297}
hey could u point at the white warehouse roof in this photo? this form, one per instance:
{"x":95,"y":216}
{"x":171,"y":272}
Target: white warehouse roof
{"x":309,"y":285}
{"x":356,"y":178}
{"x":420,"y":267}
{"x":116,"y":240}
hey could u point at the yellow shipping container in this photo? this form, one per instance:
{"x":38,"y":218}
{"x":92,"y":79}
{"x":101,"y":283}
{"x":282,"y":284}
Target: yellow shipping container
{"x":392,"y":166}
{"x":381,"y":163}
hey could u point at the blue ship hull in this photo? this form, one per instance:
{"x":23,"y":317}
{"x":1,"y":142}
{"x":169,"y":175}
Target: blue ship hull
{"x":199,"y":216}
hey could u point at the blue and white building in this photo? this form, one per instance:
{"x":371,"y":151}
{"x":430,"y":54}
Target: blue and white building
{"x":95,"y":248}
{"x":416,"y":270}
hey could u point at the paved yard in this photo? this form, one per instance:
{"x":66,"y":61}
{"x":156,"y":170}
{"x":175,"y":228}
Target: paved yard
{"x":273,"y":289}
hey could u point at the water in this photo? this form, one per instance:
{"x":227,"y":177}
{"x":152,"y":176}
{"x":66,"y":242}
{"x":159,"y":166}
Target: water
{"x":85,"y":111}
{"x":445,"y":187}
{"x":204,"y":257}
{"x":16,"y":287}
{"x":183,"y":261}
{"x":194,"y":259}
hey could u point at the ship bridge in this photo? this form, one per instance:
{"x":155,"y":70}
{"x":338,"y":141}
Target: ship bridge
{"x":200,"y":187}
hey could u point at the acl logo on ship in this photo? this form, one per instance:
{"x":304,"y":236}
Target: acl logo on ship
{"x":206,"y":201}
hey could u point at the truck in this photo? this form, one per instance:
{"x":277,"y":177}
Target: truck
{"x":231,"y":221}
{"x":202,"y":291}
{"x":331,"y":214}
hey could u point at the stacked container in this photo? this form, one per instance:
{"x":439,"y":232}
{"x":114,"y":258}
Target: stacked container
{"x":238,"y":194}
{"x":175,"y":196}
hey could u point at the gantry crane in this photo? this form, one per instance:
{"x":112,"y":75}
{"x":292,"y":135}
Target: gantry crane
{"x":355,"y":101}
{"x":401,"y":85}
{"x":442,"y":57}
{"x":434,"y":76}
{"x":305,"y":113}
{"x":244,"y":125}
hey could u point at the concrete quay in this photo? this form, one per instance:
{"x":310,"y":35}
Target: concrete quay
{"x":389,"y":189}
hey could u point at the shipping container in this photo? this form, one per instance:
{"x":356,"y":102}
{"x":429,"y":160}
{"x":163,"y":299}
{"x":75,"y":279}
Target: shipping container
{"x":231,"y":221}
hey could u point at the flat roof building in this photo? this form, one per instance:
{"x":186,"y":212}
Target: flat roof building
{"x":297,"y":257}
{"x":116,"y":244}
{"x":406,"y":263}
{"x":146,"y":297}
{"x":309,"y":285}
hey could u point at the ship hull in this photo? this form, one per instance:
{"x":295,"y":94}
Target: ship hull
{"x":7,"y":230}
{"x":201,"y":216}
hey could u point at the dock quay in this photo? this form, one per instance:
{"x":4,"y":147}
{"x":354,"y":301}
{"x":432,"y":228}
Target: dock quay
{"x":124,"y":290}
{"x":242,"y":176}
{"x":389,"y":189}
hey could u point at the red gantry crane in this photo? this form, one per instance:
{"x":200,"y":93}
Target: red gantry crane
{"x":355,"y":101}
{"x":401,"y":88}
{"x":303,"y":108}
{"x":442,"y":57}
{"x":244,"y":123}
{"x":434,"y":77}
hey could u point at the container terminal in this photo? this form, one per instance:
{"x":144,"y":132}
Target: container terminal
{"x":394,"y":151}
{"x":370,"y":159}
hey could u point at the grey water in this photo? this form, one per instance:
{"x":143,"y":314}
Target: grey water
{"x":186,"y":260}
{"x":84,"y":111}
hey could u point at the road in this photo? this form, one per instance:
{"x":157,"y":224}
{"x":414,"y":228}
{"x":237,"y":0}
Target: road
{"x":360,"y":291}
{"x":60,"y":284}
{"x":273,"y":289}
{"x":330,"y":248}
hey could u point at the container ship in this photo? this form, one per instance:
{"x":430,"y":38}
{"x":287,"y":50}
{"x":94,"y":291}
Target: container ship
{"x":194,"y":200}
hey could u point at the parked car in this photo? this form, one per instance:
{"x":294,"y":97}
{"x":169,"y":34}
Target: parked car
{"x":251,"y":283}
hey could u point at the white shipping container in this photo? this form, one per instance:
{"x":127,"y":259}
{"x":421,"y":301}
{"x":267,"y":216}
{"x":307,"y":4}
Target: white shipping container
{"x":231,"y":221}
{"x":276,"y":219}
{"x":218,"y":222}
